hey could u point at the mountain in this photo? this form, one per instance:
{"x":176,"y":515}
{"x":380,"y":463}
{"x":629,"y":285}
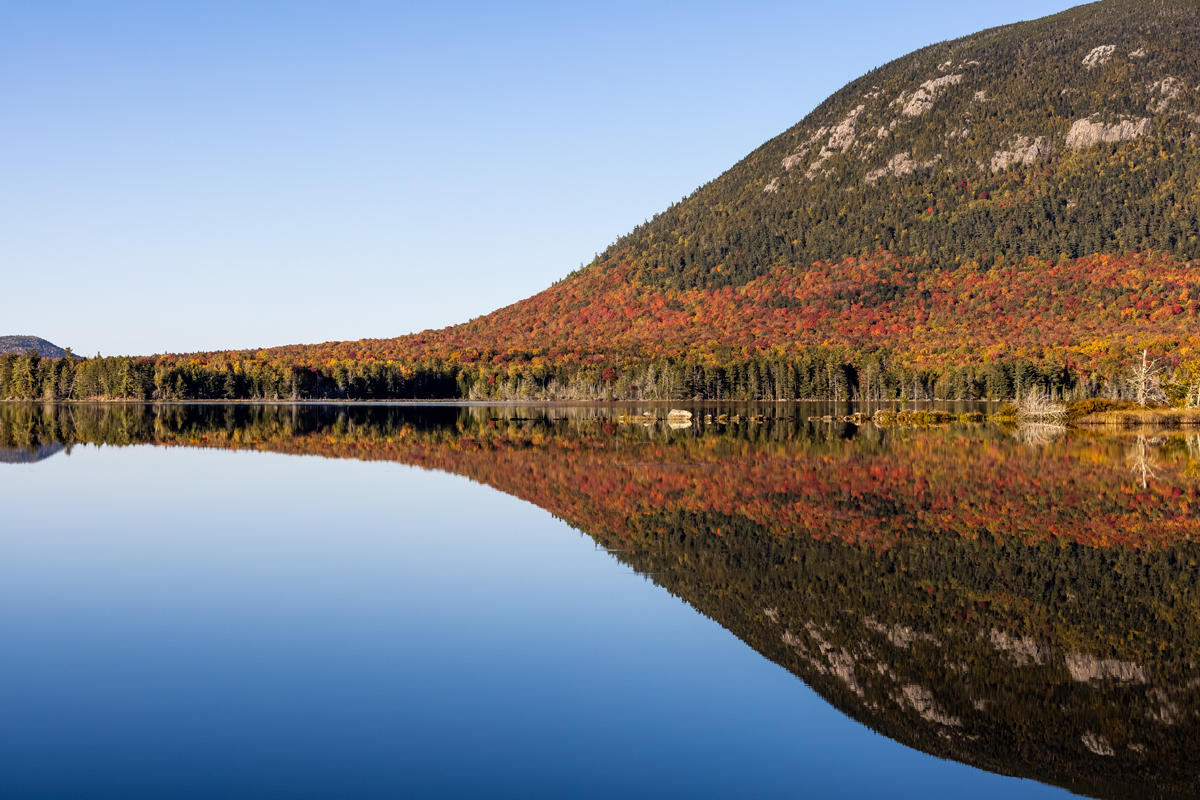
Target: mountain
{"x":1030,"y":191}
{"x":22,"y":344}
{"x":1054,"y":139}
{"x":1015,"y":208}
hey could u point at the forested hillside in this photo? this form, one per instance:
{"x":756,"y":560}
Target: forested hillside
{"x":1055,"y":139}
{"x":1017,"y":206}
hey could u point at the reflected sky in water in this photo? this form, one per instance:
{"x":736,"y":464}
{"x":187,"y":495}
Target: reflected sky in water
{"x":196,"y":623}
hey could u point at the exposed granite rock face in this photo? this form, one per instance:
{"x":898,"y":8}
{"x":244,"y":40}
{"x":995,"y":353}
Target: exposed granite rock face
{"x":801,"y":152}
{"x":1168,"y":88}
{"x":1024,"y":151}
{"x":1099,"y":56}
{"x":841,"y":139}
{"x":959,"y":125}
{"x":791,"y":161}
{"x":922,"y":99}
{"x":900,"y":164}
{"x":1085,"y":132}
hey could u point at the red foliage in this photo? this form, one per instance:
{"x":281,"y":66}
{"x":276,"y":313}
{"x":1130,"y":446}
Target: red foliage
{"x":1089,"y":312}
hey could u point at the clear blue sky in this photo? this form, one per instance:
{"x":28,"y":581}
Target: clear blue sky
{"x":178,"y":177}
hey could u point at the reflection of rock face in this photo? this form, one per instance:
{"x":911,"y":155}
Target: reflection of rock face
{"x":954,"y":590}
{"x":954,"y":683}
{"x":20,"y":455}
{"x":1004,"y":702}
{"x":1084,"y":668}
{"x":921,"y":699}
{"x":899,"y":635}
{"x":985,"y":706}
{"x":1097,"y":744}
{"x":1023,"y":650}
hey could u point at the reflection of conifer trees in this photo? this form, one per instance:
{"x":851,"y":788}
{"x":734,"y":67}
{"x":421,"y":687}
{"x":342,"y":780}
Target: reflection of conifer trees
{"x":1028,"y":612}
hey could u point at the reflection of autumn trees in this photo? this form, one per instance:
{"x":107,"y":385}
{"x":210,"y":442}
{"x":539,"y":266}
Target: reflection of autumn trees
{"x":970,"y":489}
{"x":1010,"y":607}
{"x":1142,"y":461}
{"x":973,"y":491}
{"x":879,"y":487}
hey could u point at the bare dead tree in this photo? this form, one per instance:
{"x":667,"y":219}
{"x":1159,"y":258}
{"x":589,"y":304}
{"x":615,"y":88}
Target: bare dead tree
{"x":1192,"y":399}
{"x":1146,"y":380}
{"x":1038,"y":406}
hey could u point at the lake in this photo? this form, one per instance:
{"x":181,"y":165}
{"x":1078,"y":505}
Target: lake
{"x":587,"y":601}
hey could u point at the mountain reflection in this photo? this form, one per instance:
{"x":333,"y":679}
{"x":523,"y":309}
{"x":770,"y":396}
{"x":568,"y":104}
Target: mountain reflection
{"x":1016,"y":601}
{"x":28,"y":455}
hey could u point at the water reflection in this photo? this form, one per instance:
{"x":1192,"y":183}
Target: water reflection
{"x":1028,"y":610}
{"x":29,"y":455}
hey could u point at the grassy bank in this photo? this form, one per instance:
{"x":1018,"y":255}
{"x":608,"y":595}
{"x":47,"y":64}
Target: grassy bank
{"x":1139,"y":417}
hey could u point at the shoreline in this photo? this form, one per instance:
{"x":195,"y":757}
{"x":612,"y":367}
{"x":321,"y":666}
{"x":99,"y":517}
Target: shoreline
{"x":1159,"y":418}
{"x":452,"y":402}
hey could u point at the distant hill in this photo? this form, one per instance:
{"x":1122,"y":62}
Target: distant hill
{"x":23,"y":344}
{"x":29,"y":455}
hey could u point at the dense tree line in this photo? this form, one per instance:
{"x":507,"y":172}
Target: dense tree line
{"x":813,"y":374}
{"x":30,"y":377}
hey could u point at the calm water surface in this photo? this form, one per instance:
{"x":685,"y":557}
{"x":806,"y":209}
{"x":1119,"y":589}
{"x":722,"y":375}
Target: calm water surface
{"x":281,"y":601}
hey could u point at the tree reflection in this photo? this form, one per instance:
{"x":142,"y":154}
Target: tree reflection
{"x":1142,"y":460}
{"x":1029,"y":612}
